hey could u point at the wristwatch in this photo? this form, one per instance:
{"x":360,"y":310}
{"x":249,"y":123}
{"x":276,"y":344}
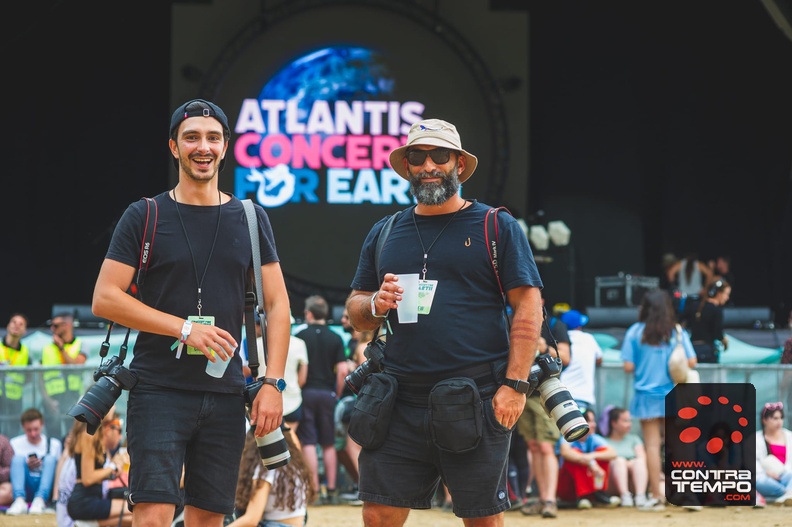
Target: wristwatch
{"x":279,"y":384}
{"x":519,"y":385}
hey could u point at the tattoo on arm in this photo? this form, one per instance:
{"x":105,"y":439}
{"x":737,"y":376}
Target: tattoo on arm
{"x":524,"y":331}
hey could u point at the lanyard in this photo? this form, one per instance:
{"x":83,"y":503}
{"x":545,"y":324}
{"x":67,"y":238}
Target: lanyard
{"x":199,"y":281}
{"x":425,"y":250}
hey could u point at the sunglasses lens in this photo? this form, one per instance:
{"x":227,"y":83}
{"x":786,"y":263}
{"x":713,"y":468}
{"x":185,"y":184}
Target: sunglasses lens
{"x":439,"y":156}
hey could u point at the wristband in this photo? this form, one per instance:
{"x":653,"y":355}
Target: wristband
{"x":374,"y":309}
{"x":185,"y":332}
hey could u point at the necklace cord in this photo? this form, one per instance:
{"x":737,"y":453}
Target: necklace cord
{"x":198,"y":281}
{"x":425,"y":250}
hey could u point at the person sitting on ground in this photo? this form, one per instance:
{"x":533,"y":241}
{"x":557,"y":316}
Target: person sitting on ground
{"x":585,"y":468}
{"x":66,"y":475}
{"x":33,"y":465}
{"x":87,"y":500}
{"x":628,"y":471}
{"x":6,"y":455}
{"x":272,"y":497}
{"x":774,"y":483}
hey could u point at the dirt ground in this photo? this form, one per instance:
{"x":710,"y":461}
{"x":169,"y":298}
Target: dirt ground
{"x":350,"y":516}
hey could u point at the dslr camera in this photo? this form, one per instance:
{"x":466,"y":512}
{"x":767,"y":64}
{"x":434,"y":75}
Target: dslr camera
{"x":273,"y":449}
{"x":374,"y":353}
{"x":110,"y":378}
{"x":555,"y":397}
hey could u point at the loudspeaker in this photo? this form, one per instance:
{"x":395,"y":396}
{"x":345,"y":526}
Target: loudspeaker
{"x":746,"y":317}
{"x":611,"y":317}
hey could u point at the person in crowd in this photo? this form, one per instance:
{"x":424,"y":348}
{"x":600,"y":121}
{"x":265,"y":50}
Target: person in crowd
{"x":189,"y":314}
{"x":272,"y":498}
{"x":704,"y":321}
{"x":689,"y":276}
{"x":519,"y":471}
{"x":347,"y":449}
{"x":14,"y":352}
{"x":61,"y":389}
{"x":295,"y":375}
{"x":33,"y":465}
{"x":88,"y":499}
{"x":6,"y":455}
{"x":579,"y":376}
{"x":540,"y":430}
{"x":774,"y":480}
{"x":786,"y":358}
{"x":646,"y":347}
{"x":461,"y":331}
{"x":66,"y":474}
{"x":323,"y":386}
{"x":585,"y":468}
{"x":629,"y":475}
{"x":721,"y":268}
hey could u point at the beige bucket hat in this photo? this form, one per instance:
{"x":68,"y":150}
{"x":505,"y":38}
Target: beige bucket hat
{"x":433,"y":132}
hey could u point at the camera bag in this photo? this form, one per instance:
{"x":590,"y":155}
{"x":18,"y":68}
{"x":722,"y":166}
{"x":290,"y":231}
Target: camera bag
{"x":370,"y":419}
{"x":456,"y":415}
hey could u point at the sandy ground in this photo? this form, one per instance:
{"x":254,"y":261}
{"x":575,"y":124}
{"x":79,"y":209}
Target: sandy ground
{"x":349,"y":516}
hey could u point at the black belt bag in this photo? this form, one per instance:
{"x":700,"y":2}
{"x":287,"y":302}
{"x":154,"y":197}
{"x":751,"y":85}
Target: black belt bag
{"x":456,"y":414}
{"x":370,"y":419}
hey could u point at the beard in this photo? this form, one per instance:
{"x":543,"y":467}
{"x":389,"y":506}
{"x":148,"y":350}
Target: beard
{"x":435,"y":193}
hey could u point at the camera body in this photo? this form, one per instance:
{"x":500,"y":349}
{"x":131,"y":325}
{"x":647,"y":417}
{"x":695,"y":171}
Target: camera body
{"x":555,"y":397}
{"x":375,"y":353}
{"x":273,"y":449}
{"x":110,"y":378}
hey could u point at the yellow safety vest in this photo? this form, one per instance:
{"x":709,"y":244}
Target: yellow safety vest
{"x":55,"y":383}
{"x":14,"y":381}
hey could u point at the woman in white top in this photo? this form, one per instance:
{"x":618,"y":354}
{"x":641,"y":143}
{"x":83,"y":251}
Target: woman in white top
{"x":774,"y":483}
{"x":272,"y":498}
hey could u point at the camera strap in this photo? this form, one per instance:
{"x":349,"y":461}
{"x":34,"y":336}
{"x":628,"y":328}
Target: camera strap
{"x":491,"y":237}
{"x":252,"y":307}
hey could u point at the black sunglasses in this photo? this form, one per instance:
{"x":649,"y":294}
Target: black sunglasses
{"x":417,"y":158}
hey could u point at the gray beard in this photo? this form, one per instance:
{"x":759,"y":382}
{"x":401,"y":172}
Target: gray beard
{"x":435,"y":193}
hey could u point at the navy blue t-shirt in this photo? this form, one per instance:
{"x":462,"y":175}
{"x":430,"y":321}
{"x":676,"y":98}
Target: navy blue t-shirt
{"x":171,"y":282}
{"x":466,"y":324}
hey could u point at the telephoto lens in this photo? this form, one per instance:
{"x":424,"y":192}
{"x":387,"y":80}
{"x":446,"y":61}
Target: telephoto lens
{"x":273,"y":449}
{"x":560,"y":405}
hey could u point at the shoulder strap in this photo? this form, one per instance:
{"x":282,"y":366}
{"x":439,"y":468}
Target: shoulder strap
{"x":383,"y":236}
{"x":251,"y":302}
{"x":491,"y":237}
{"x":146,"y":246}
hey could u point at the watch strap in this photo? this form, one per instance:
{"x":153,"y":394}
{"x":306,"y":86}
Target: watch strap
{"x":518,"y":385}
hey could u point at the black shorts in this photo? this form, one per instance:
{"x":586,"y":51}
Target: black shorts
{"x":204,"y":431}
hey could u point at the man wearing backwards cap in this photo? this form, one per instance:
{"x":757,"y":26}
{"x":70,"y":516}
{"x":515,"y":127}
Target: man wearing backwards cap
{"x":461,"y":332}
{"x":190,"y":313}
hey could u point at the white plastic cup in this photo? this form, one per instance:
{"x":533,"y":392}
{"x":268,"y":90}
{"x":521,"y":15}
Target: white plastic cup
{"x":407,"y":309}
{"x":218,"y":367}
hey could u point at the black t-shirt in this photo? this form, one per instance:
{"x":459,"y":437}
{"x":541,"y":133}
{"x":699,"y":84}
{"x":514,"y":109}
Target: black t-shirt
{"x":325,"y":349}
{"x":466,"y":323}
{"x":175,"y":269}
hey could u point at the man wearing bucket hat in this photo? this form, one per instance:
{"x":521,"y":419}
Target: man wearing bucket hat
{"x":460,"y":347}
{"x":189,"y":315}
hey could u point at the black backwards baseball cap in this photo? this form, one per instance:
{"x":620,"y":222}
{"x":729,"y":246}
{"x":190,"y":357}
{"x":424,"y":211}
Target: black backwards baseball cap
{"x":198,"y":108}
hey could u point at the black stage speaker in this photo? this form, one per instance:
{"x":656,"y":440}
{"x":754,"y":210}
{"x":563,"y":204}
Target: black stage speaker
{"x":611,"y":317}
{"x":747,"y":317}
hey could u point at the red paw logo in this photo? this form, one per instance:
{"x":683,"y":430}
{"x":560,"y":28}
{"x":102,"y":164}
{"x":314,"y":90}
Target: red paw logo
{"x":693,"y":433}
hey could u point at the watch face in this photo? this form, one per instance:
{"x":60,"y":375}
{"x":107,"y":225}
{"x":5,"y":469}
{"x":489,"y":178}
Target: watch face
{"x":280,"y":385}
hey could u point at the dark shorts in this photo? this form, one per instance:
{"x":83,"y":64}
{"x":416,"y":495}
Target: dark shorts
{"x":535,"y":424}
{"x":205,"y":430}
{"x":86,"y":503}
{"x":318,"y":421}
{"x":406,"y":470}
{"x":295,"y":416}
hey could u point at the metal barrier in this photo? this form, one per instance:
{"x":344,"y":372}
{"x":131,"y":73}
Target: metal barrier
{"x":773,"y":382}
{"x":33,"y":397}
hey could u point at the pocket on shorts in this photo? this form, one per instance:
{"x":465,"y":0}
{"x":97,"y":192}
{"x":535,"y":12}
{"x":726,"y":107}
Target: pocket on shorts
{"x":370,"y":418}
{"x":455,"y":415}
